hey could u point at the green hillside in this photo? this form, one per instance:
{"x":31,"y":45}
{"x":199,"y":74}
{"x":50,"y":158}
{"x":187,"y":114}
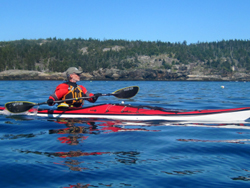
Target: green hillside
{"x":56,"y":55}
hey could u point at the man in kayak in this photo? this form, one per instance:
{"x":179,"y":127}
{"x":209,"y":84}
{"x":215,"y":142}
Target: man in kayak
{"x":70,"y":89}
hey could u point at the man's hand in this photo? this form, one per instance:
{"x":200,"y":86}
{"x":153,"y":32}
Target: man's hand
{"x":97,"y":95}
{"x":50,"y":102}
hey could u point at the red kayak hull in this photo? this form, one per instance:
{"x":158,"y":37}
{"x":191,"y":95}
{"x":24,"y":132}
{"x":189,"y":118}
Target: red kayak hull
{"x":128,"y":112}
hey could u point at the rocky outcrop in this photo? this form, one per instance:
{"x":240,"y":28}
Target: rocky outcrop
{"x":116,"y":74}
{"x":30,"y":75}
{"x":137,"y":74}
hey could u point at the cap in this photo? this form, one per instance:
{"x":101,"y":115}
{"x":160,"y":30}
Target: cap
{"x":72,"y":70}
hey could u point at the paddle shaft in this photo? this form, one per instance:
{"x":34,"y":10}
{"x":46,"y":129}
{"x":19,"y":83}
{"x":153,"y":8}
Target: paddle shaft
{"x":76,"y":98}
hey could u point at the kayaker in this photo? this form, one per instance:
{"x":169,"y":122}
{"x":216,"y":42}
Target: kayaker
{"x":70,"y":89}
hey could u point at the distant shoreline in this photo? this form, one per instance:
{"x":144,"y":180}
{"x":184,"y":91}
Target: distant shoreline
{"x":118,"y":75}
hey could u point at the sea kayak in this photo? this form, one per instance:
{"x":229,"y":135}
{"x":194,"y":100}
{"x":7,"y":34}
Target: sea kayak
{"x":145,"y":113}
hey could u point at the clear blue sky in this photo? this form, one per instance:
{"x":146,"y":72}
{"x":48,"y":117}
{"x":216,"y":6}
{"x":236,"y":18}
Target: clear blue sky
{"x":147,"y":20}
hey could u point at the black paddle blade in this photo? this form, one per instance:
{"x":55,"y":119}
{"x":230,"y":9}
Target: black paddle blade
{"x":19,"y":106}
{"x":127,"y":92}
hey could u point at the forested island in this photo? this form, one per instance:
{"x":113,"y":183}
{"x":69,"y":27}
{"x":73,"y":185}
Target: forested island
{"x":125,"y":60}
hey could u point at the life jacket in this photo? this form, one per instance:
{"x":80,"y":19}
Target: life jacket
{"x":74,"y":92}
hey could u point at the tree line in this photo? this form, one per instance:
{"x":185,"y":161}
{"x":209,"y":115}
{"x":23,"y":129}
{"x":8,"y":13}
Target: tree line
{"x":56,"y":55}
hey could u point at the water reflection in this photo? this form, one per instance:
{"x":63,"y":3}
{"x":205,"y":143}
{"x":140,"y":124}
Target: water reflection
{"x":77,"y":133}
{"x":242,"y":178}
{"x":211,"y":125}
{"x":62,"y":154}
{"x":78,"y":185}
{"x":18,"y":136}
{"x":124,"y":157}
{"x":235,"y":141}
{"x":184,"y":172}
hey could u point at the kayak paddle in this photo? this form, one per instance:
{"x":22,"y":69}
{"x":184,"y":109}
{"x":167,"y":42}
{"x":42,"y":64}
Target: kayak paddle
{"x":23,"y":106}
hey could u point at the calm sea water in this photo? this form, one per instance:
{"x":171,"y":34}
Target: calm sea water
{"x":40,"y":152}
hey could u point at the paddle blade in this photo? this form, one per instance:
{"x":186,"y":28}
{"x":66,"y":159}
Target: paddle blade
{"x":18,"y":106}
{"x":127,"y":92}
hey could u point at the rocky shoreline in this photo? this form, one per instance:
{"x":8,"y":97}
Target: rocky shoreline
{"x":116,"y":74}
